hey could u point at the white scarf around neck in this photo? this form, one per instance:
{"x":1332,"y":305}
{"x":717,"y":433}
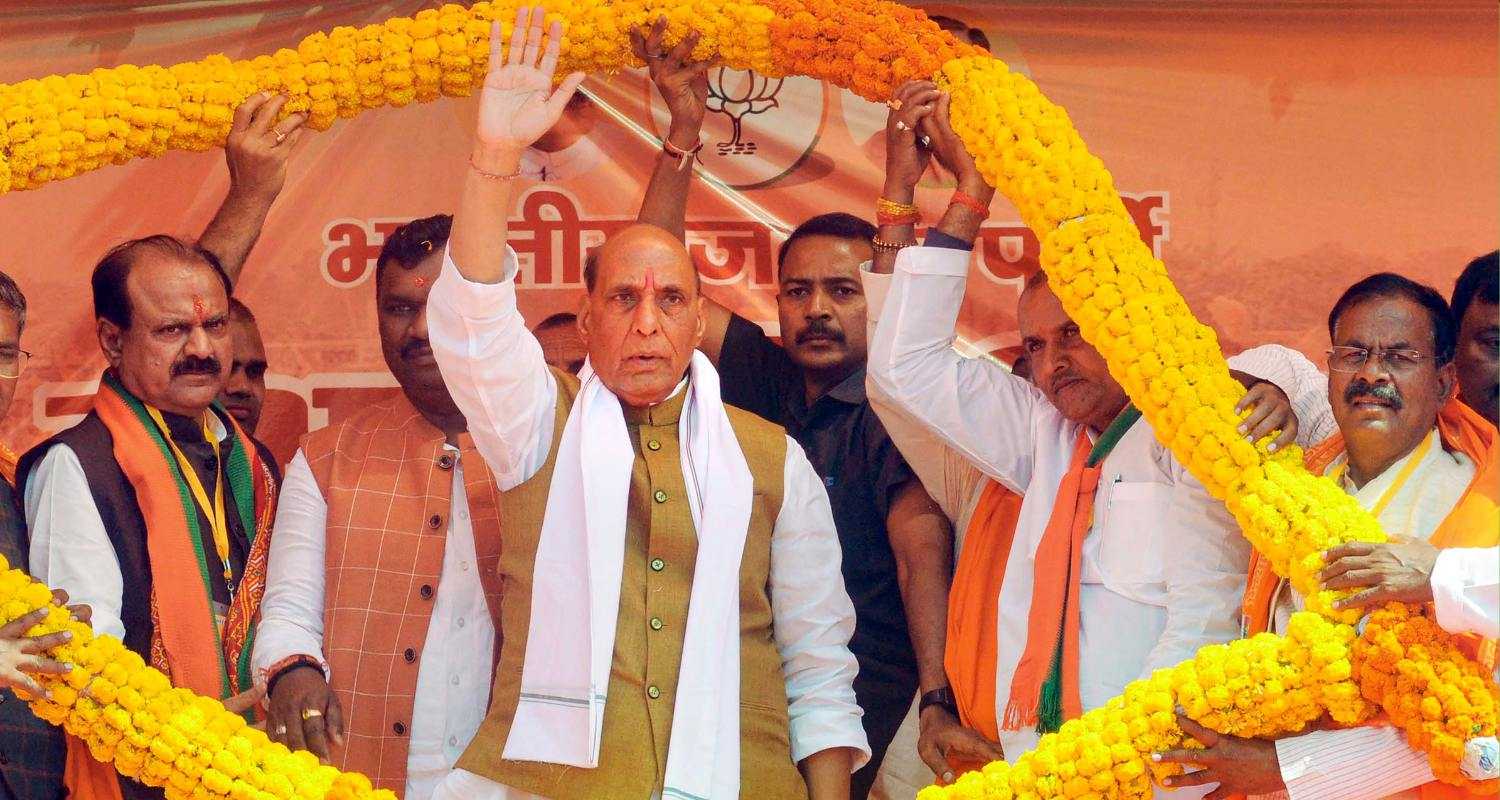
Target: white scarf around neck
{"x":575,"y":597}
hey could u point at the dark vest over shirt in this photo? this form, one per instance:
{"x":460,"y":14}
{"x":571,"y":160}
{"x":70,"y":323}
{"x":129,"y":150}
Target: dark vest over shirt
{"x":114,"y":497}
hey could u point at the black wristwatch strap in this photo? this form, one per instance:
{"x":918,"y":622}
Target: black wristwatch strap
{"x":939,"y":697}
{"x":288,"y":666}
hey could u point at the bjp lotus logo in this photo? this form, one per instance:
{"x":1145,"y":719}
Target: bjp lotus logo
{"x":737,"y":96}
{"x":759,"y":129}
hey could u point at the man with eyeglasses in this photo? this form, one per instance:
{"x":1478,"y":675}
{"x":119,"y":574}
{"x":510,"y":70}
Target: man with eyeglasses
{"x":1425,"y":465}
{"x":12,"y":360}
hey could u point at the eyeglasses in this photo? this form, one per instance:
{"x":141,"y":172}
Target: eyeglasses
{"x":14,"y":363}
{"x":1343,"y":358}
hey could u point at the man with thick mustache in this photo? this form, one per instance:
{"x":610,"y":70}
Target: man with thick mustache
{"x":1426,"y":466}
{"x":377,"y":633}
{"x":156,"y":509}
{"x":1117,"y":561}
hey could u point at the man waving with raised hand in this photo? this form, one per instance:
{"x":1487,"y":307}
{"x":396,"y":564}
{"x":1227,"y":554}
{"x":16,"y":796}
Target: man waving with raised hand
{"x":674,"y":621}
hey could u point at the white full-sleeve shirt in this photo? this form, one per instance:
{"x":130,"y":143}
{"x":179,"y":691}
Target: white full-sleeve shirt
{"x":456,"y":665}
{"x":1163,"y":566}
{"x":1466,"y":590}
{"x":494,"y":370}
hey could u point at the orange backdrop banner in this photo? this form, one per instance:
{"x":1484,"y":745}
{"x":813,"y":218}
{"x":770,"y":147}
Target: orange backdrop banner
{"x":1271,"y":152}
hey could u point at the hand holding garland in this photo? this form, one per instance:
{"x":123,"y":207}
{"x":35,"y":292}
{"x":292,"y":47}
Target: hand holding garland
{"x":971,"y":200}
{"x":906,"y":161}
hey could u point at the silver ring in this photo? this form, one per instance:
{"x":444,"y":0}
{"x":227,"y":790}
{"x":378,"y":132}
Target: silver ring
{"x":280,"y":730}
{"x":656,"y":56}
{"x":901,"y":126}
{"x":924,"y":140}
{"x":280,"y":137}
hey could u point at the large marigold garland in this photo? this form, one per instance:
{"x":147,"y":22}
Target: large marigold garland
{"x":131,"y":715}
{"x":1109,"y":282}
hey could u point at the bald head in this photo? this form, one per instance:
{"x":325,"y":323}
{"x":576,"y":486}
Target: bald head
{"x":641,"y":245}
{"x":643,"y":315}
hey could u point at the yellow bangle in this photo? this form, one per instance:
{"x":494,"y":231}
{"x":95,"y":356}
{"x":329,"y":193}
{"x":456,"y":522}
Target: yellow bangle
{"x":895,"y":209}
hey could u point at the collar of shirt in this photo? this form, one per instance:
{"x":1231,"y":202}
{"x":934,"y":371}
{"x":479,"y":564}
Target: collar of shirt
{"x":188,"y":430}
{"x":850,"y":392}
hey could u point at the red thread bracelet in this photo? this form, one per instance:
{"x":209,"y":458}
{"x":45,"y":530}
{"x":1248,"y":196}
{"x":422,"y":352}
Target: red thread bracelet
{"x":960,"y":197}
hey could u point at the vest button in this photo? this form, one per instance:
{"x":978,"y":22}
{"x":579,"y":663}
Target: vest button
{"x":425,"y":591}
{"x":399,"y":728}
{"x":435,"y":521}
{"x":657,"y":565}
{"x":651,"y":692}
{"x":410,"y":655}
{"x":653,"y":445}
{"x":656,"y":623}
{"x":661,"y":496}
{"x":445,"y":461}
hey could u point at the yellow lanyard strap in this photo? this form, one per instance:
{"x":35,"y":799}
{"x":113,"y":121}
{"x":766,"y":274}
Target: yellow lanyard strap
{"x":217,"y":518}
{"x":1401,"y":477}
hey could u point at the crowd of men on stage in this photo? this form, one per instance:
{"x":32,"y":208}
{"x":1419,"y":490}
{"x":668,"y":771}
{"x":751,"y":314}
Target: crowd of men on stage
{"x":646,"y":551}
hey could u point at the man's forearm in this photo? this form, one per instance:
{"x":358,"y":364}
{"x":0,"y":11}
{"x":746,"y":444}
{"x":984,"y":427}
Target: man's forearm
{"x":665,"y":203}
{"x":233,"y":231}
{"x":481,"y":223}
{"x":884,"y":260}
{"x":960,"y":221}
{"x":827,"y":773}
{"x":923,"y":545}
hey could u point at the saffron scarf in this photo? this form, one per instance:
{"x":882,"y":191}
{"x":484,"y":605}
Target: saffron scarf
{"x":1473,"y":522}
{"x":1044,"y":690}
{"x":972,"y":649}
{"x":181,"y":609}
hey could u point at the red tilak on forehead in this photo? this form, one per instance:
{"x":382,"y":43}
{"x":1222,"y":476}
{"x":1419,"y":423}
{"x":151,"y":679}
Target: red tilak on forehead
{"x":199,"y":309}
{"x":421,"y":281}
{"x":650,"y":279}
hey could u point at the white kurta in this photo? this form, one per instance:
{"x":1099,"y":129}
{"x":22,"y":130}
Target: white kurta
{"x":494,"y":369}
{"x":70,"y":549}
{"x":956,"y":484}
{"x":1374,"y":762}
{"x":1466,"y":590}
{"x":1163,"y":565}
{"x":456,"y":665}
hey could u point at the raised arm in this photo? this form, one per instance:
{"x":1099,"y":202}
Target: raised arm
{"x":974,"y":406}
{"x":683,"y":86}
{"x":257,"y":153}
{"x":491,"y":363}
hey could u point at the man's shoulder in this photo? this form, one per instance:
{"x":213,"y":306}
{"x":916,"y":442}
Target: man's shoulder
{"x":373,"y":420}
{"x":87,"y":437}
{"x":756,"y":434}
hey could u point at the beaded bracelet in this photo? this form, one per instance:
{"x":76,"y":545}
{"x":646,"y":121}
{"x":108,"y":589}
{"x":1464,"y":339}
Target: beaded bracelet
{"x":881,"y":244}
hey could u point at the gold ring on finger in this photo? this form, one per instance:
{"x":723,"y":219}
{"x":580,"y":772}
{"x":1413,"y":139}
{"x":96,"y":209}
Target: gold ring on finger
{"x":309,"y":713}
{"x":895,"y":104}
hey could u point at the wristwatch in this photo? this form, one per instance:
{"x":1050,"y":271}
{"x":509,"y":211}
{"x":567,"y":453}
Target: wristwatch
{"x":939,"y":697}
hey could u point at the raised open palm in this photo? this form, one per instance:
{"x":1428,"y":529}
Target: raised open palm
{"x":517,"y":103}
